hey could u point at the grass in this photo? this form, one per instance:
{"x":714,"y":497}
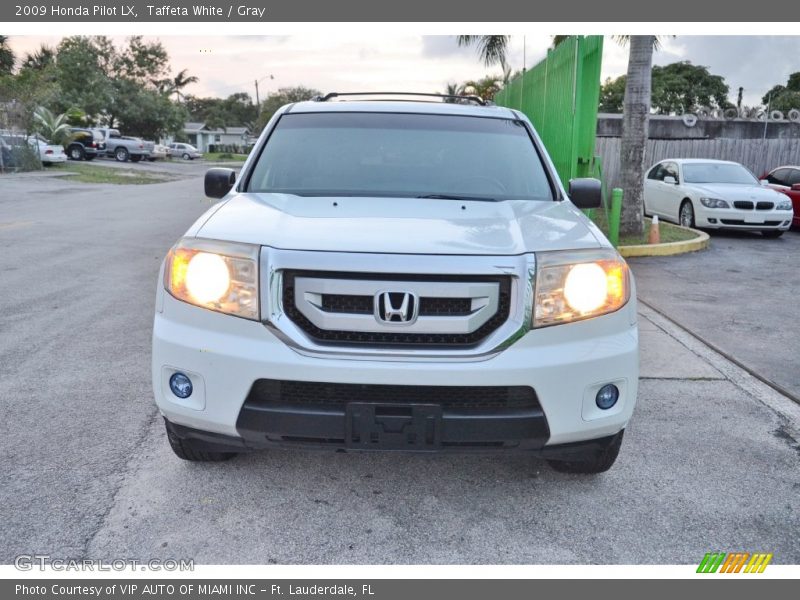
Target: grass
{"x":86,"y":173}
{"x":668,"y":231}
{"x":221,"y":156}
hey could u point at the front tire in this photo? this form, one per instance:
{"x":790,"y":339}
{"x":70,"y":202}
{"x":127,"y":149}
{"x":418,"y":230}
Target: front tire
{"x":121,"y":154}
{"x":186,"y":156}
{"x":185,"y":450}
{"x":686,"y":215}
{"x":593,"y":461}
{"x":772,"y":233}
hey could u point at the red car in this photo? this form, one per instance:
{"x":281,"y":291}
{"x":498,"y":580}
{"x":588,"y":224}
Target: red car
{"x":787,"y":181}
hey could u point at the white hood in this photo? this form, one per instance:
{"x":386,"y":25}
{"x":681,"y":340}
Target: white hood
{"x":736,"y":191}
{"x":400,"y":225}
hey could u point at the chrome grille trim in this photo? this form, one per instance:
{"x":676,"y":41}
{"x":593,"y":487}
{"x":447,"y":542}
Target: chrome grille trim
{"x":519,"y":270}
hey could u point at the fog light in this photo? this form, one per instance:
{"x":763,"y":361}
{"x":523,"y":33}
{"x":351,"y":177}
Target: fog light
{"x":712,"y":220}
{"x":607,"y":396}
{"x":181,"y":386}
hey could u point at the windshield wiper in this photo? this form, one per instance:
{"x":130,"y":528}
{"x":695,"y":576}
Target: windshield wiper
{"x":456,"y":197}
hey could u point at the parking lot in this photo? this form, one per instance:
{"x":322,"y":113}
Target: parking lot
{"x":710,"y":460}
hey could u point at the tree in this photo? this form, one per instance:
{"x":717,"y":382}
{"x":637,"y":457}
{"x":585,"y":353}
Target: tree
{"x":682,"y":87}
{"x":784,"y":97}
{"x":492,"y":49}
{"x":283,"y":96}
{"x":677,"y":88}
{"x":635,"y":121}
{"x":53,"y":127}
{"x":612,"y":95}
{"x":40,"y":59}
{"x":7,"y":58}
{"x":485,"y":88}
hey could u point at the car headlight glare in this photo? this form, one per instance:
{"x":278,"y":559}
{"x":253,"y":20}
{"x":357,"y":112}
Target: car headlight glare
{"x":784,"y":205}
{"x":714,"y":203}
{"x":577,"y":285}
{"x":216,"y":275}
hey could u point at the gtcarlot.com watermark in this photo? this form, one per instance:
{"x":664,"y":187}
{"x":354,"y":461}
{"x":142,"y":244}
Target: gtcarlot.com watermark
{"x":42,"y":562}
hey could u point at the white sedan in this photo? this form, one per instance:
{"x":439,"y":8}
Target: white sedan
{"x":48,"y":153}
{"x":714,"y":194}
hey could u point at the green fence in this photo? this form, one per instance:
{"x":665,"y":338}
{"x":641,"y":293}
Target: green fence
{"x":560,"y":96}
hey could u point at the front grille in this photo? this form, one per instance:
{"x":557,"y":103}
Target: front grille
{"x":741,"y":222}
{"x":764,"y":206}
{"x":268,"y":392}
{"x":364,"y":305}
{"x":743,"y":204}
{"x":346,"y":303}
{"x":428,"y":307}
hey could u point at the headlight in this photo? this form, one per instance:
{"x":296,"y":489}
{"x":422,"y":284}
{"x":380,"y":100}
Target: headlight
{"x":714,"y":203}
{"x":578,"y":285}
{"x":783,"y":205}
{"x":220,"y":276}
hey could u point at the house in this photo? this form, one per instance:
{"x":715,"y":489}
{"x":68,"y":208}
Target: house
{"x":205,"y":139}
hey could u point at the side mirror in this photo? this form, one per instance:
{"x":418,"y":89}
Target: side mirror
{"x":671,"y":180}
{"x":219,"y":182}
{"x":796,"y":187}
{"x":586,"y":192}
{"x":764,"y":182}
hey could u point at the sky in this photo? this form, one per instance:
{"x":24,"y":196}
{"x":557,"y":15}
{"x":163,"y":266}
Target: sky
{"x":229,"y":64}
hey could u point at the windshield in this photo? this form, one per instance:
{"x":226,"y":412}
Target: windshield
{"x":717,"y":173}
{"x":405,"y":155}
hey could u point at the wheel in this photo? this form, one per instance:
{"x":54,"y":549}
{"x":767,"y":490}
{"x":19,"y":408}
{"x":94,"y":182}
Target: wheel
{"x":184,"y":449}
{"x":136,"y":158}
{"x":76,"y":153}
{"x":121,"y":154}
{"x":186,"y":156}
{"x":772,"y":233}
{"x":595,"y":460}
{"x":687,"y":214}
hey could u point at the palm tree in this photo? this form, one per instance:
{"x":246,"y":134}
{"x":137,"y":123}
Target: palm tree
{"x":53,"y":127}
{"x":485,"y":88}
{"x":635,"y":122}
{"x":7,"y":58}
{"x":492,"y":49}
{"x":39,"y":59}
{"x":181,"y":80}
{"x":453,"y":89}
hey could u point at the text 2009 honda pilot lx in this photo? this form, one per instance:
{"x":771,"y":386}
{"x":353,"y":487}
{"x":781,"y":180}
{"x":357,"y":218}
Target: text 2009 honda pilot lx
{"x":397,"y":275}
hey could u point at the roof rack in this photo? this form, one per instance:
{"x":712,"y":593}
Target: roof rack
{"x":469,"y":98}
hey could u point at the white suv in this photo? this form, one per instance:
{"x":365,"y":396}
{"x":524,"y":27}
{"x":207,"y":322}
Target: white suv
{"x":395,"y":275}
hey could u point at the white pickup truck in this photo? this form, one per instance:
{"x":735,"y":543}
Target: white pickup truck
{"x":397,"y":275}
{"x":124,"y":148}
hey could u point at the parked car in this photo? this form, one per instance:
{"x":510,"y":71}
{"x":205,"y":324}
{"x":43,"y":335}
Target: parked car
{"x":397,"y":275}
{"x":714,"y":194}
{"x":49,"y":153}
{"x":84,"y":144}
{"x":124,"y":148}
{"x":786,"y":180}
{"x":185,"y":151}
{"x":159,"y":152}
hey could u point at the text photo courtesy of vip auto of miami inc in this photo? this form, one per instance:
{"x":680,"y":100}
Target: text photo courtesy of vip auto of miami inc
{"x":377,"y":298}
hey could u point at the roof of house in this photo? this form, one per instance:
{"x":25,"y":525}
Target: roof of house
{"x":198,"y":127}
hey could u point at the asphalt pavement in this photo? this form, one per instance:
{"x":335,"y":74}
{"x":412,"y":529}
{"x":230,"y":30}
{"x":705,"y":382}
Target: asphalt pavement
{"x":741,"y":295}
{"x":710,"y":460}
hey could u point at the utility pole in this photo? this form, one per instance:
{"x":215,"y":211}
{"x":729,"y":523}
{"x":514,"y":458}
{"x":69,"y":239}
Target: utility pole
{"x":258,"y":104}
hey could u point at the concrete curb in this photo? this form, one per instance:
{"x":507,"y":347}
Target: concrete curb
{"x":669,"y":248}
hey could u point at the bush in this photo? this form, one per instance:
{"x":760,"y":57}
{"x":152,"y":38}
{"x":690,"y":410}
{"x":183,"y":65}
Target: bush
{"x":20,"y":158}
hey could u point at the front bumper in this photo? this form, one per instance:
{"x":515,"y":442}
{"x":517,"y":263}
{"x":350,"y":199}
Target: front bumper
{"x":565,"y":365}
{"x":748,"y":220}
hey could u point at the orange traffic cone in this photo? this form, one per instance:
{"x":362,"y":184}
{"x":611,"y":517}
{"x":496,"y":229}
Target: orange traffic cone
{"x":655,"y":234}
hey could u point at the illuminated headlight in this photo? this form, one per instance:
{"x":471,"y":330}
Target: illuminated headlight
{"x":714,"y":203}
{"x":220,"y":276}
{"x":576,"y":285}
{"x":783,"y":205}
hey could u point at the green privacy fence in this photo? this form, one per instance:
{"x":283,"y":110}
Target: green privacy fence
{"x":560,"y":95}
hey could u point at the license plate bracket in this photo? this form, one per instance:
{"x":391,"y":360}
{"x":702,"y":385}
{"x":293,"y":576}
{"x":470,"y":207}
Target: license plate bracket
{"x":371,"y":426}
